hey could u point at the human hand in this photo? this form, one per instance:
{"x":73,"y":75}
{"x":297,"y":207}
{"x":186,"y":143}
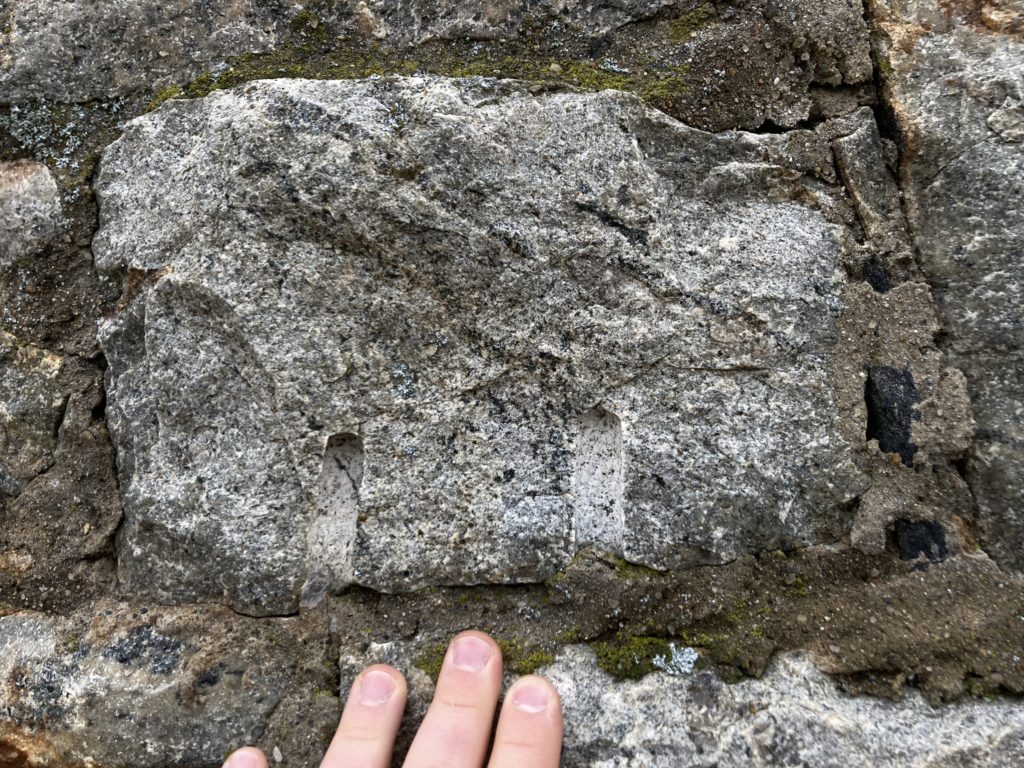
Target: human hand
{"x":456,"y":731}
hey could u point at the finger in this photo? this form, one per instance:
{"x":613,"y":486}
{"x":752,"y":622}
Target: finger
{"x":369,"y":724}
{"x":247,"y":757}
{"x":457,"y":728}
{"x":530,"y":726}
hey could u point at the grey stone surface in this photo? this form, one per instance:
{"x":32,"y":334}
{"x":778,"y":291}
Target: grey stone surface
{"x":795,"y":715}
{"x":778,"y":52}
{"x":399,"y":333}
{"x":955,"y":89}
{"x":440,"y":270}
{"x":104,"y":49}
{"x":29,"y":209}
{"x":416,"y":21}
{"x":147,"y":688}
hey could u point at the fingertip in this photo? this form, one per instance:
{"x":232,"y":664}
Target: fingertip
{"x":370,"y":719}
{"x":534,"y":694}
{"x":530,"y":727}
{"x":472,"y":651}
{"x":379,"y":684}
{"x":247,"y":757}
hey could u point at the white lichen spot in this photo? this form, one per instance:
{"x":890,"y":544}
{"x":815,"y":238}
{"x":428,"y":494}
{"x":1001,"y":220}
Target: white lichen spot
{"x":680,"y":661}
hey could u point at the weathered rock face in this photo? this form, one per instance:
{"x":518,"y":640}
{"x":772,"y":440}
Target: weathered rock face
{"x":29,"y":210}
{"x":440,"y":275}
{"x":792,"y":716}
{"x":787,"y":61}
{"x":373,"y":333}
{"x":956,"y":94}
{"x":132,"y":686}
{"x":105,"y":49}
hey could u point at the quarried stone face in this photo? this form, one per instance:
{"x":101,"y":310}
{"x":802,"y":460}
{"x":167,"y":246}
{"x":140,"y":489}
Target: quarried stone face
{"x":422,"y":331}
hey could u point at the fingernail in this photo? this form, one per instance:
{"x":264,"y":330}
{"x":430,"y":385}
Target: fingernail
{"x":471,"y":653}
{"x":530,"y":697}
{"x":375,"y":688}
{"x":243,"y":759}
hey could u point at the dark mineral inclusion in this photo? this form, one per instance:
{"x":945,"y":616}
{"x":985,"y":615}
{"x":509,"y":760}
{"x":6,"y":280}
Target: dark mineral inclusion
{"x":891,"y":395}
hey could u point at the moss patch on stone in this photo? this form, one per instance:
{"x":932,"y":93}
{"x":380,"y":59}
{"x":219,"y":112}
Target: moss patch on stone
{"x":430,"y":659}
{"x":686,"y":25}
{"x":316,"y":50}
{"x":630,"y":658}
{"x":626,"y":570}
{"x":520,"y":657}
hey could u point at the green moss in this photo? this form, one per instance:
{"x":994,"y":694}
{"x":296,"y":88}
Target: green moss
{"x":315,"y":51}
{"x":980,"y":689}
{"x":630,"y":658}
{"x":430,"y":659}
{"x":569,"y":636}
{"x":627,"y":570}
{"x":533,"y":661}
{"x":669,"y":90}
{"x":522,"y":658}
{"x":519,"y":656}
{"x":472,"y":68}
{"x":684,"y":27}
{"x":706,"y":640}
{"x":738,"y":613}
{"x":726,"y":650}
{"x":164,"y":94}
{"x":591,"y":78}
{"x":798,"y":588}
{"x":308,"y":24}
{"x":558,"y":579}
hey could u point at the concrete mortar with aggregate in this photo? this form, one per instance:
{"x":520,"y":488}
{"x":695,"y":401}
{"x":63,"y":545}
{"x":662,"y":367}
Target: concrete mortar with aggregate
{"x":739,"y":451}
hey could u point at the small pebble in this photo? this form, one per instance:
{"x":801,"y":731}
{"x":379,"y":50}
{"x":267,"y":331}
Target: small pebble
{"x":278,"y":757}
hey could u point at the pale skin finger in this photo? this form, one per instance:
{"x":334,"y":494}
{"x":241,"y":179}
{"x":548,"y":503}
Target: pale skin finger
{"x":369,"y":723}
{"x":457,"y":728}
{"x":248,"y":757}
{"x":529,"y":731}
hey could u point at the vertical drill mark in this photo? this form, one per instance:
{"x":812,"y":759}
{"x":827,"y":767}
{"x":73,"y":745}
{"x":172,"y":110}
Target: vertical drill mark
{"x":598,"y":481}
{"x":332,"y":532}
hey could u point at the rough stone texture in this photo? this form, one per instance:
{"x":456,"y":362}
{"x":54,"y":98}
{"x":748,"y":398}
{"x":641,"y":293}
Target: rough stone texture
{"x":459,"y":310}
{"x":955,"y":92}
{"x":786,"y":61}
{"x":136,"y":686}
{"x":103,"y":49}
{"x":190,"y":683}
{"x":589,"y":302}
{"x":29,"y":210}
{"x":59,"y":511}
{"x":793,"y":716}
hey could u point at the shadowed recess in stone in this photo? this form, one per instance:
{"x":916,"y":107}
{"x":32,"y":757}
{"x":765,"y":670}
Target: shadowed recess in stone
{"x":456,"y":270}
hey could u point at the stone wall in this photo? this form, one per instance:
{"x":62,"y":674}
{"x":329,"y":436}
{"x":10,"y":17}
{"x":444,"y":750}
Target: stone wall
{"x":674,"y":343}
